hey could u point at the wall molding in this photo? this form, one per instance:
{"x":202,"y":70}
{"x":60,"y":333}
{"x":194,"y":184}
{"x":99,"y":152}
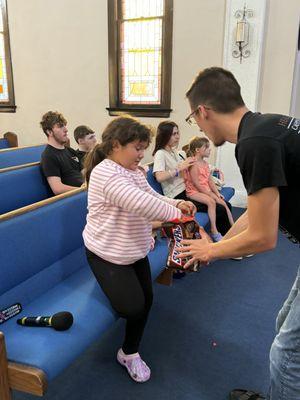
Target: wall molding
{"x":248,"y":74}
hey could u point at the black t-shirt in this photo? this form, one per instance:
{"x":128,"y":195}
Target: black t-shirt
{"x":63,"y":163}
{"x":81,"y":155}
{"x":268,"y":154}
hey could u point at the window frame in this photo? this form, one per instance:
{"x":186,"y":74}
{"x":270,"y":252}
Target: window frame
{"x":7,"y":106}
{"x":163,"y":109}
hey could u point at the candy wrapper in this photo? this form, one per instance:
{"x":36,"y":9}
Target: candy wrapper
{"x":178,"y":230}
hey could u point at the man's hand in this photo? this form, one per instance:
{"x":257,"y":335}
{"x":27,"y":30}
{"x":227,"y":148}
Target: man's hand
{"x":187,"y":207}
{"x":197,"y":249}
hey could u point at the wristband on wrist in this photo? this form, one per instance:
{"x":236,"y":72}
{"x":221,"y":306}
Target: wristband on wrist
{"x":173,"y":173}
{"x":176,"y":172}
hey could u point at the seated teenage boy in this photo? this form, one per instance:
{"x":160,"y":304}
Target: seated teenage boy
{"x":86,"y":139}
{"x":59,"y":164}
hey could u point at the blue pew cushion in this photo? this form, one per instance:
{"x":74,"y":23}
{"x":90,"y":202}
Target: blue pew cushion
{"x":79,"y":294}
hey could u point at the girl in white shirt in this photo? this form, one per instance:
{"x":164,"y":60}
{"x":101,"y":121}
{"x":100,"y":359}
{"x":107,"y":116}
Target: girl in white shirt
{"x":169,"y":162}
{"x":117,"y":235}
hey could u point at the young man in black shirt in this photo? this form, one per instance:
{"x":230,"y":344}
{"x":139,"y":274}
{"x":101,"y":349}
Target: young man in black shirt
{"x":86,"y":139}
{"x":268,"y":155}
{"x":59,"y":164}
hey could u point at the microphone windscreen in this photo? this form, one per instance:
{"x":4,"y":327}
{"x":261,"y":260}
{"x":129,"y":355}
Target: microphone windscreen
{"x":62,"y":321}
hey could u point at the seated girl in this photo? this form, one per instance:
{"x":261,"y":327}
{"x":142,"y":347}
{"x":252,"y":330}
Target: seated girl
{"x":200,"y":186}
{"x":169,"y":162}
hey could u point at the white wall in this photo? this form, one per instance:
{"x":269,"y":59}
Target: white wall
{"x":247,"y":72}
{"x":279,"y":56}
{"x":60,"y":62}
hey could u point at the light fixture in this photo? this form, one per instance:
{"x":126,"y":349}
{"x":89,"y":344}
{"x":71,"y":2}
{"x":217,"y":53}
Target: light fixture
{"x":242,"y":33}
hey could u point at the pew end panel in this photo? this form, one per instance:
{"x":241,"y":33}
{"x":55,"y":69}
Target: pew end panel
{"x":20,"y":377}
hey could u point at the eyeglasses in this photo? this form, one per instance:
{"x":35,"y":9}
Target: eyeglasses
{"x":190,"y":119}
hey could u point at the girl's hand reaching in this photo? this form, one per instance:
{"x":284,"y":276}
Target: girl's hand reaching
{"x":187,"y":163}
{"x":187,"y":207}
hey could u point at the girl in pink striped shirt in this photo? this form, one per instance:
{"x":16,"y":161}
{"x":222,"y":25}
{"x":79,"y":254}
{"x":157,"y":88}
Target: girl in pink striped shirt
{"x":117,"y":236}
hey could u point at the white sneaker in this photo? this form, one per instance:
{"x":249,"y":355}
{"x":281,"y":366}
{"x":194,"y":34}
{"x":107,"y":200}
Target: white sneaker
{"x":241,"y":257}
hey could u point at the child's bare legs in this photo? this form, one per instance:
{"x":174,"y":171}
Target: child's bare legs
{"x":223,"y":203}
{"x":211,"y":208}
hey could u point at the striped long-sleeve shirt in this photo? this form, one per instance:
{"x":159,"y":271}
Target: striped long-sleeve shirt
{"x":121,"y":206}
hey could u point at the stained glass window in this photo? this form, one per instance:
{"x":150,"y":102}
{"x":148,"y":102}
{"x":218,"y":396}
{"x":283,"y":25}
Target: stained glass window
{"x":141,"y":45}
{"x":6,"y":89}
{"x":143,"y":34}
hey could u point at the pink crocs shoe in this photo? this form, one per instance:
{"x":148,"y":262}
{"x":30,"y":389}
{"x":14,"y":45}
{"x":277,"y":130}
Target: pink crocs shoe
{"x":136,"y":367}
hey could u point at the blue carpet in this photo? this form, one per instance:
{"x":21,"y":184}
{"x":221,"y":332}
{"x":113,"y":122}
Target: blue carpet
{"x":207,"y":334}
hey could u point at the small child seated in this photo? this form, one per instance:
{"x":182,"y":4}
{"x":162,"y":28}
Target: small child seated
{"x":200,"y":185}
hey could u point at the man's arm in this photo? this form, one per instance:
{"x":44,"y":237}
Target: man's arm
{"x":258,"y":235}
{"x":57,"y":186}
{"x":239,"y":226}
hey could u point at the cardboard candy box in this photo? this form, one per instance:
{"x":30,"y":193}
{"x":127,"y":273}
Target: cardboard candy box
{"x":178,"y":230}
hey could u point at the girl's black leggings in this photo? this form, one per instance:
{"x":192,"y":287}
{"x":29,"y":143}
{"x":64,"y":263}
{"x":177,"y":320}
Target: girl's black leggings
{"x":129,"y":290}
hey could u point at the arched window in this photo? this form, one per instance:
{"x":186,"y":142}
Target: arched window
{"x":7,"y":98}
{"x":140,"y":54}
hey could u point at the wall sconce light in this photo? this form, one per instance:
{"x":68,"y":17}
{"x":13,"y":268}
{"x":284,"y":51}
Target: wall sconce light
{"x":242,"y":33}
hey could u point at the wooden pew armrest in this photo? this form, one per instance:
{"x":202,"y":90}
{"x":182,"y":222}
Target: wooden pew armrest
{"x":19,"y":377}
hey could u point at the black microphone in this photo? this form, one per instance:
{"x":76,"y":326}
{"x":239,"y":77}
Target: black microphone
{"x":60,"y":321}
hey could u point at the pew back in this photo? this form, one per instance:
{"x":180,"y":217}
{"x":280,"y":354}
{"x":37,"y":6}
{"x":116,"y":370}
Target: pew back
{"x":35,"y":238}
{"x":21,"y":186}
{"x":20,"y":155}
{"x":4,"y":143}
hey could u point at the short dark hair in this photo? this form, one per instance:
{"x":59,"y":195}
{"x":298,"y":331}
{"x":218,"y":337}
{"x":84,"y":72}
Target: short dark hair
{"x":82,"y":131}
{"x":50,"y":119}
{"x":216,"y":88}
